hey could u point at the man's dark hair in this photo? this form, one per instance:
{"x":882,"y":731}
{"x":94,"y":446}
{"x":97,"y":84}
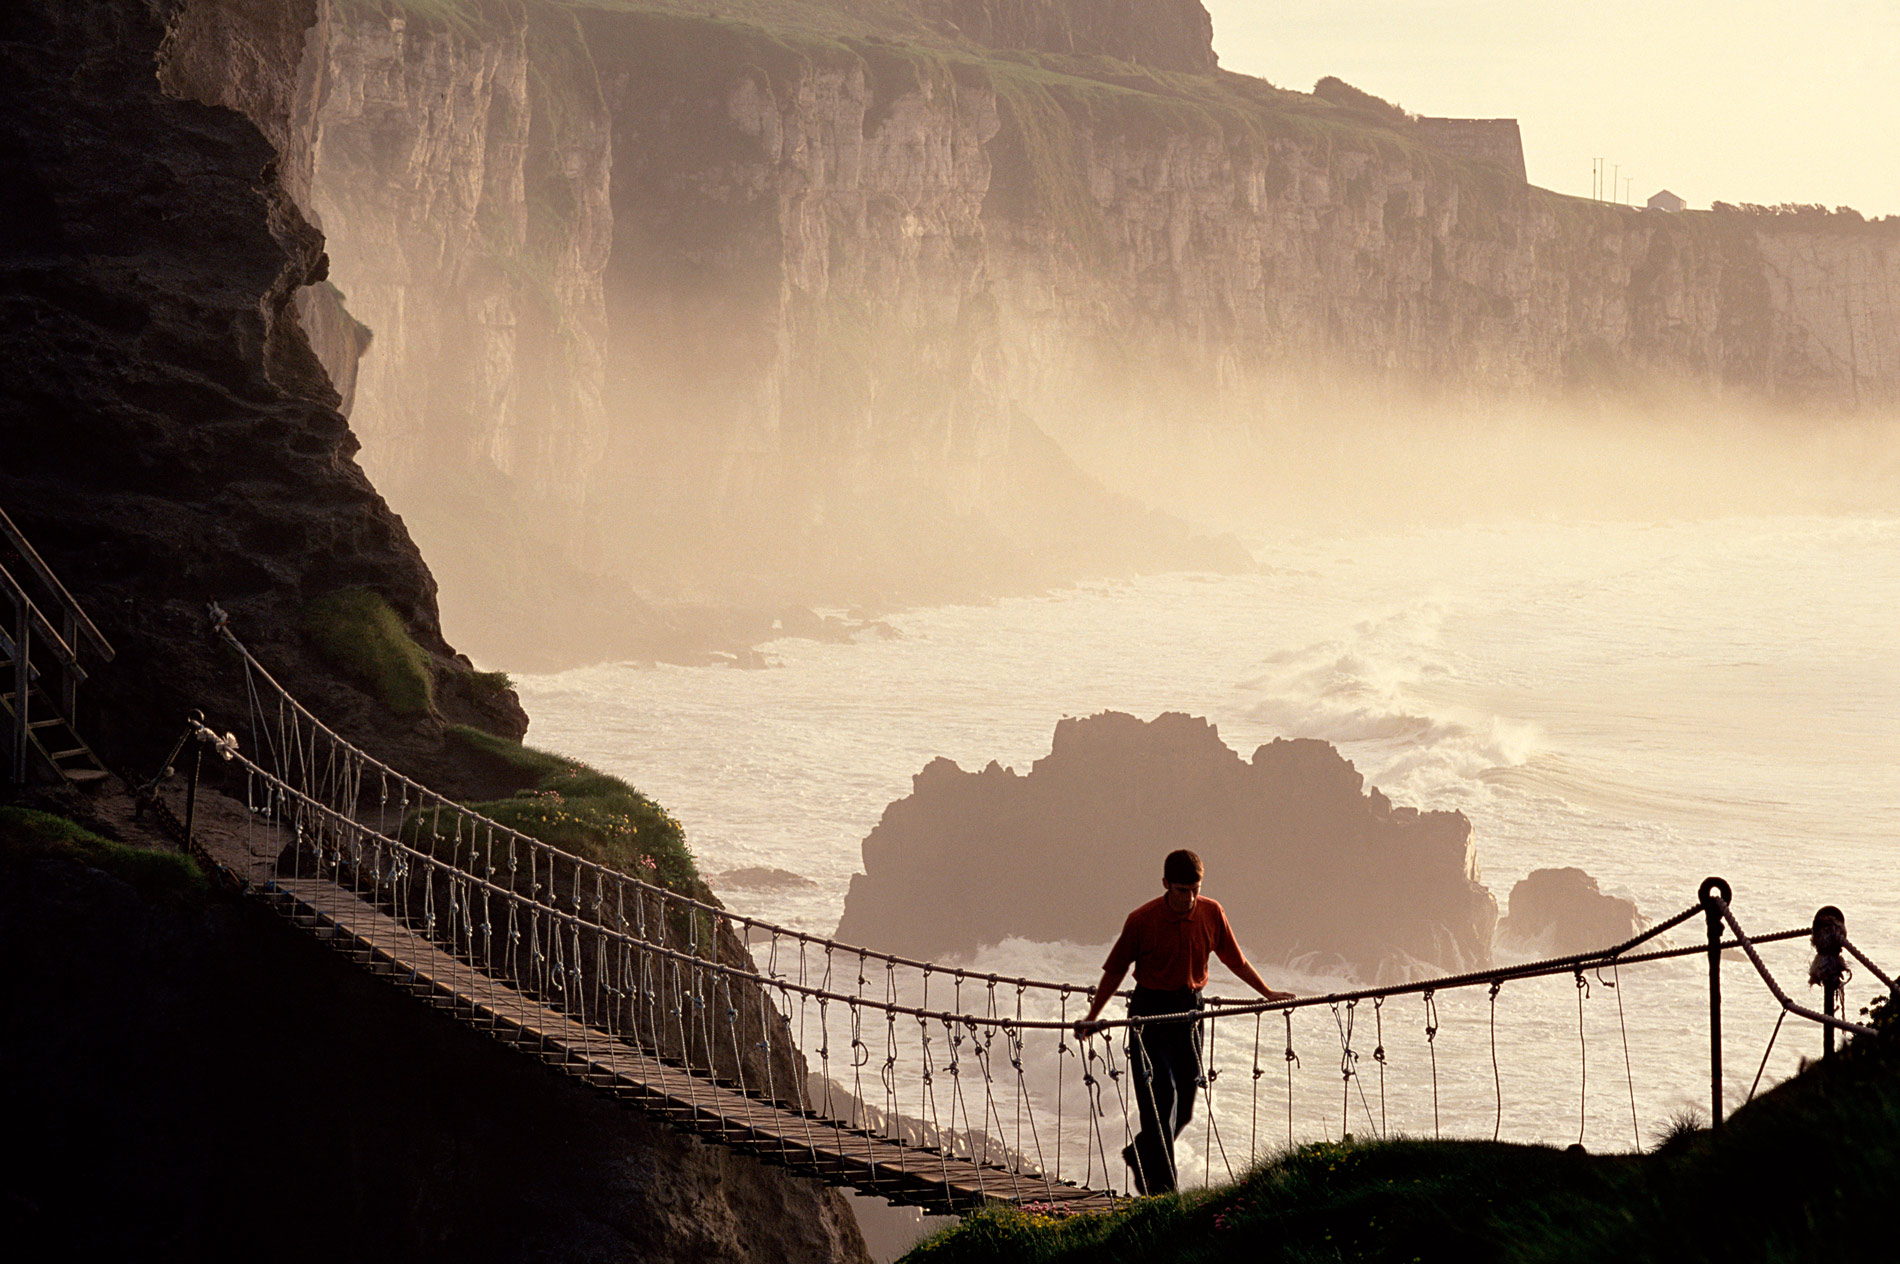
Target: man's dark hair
{"x":1182,"y":866}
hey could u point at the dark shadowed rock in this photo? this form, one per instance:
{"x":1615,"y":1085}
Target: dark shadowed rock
{"x":167,"y":435}
{"x":1304,"y":858}
{"x":207,"y":1085}
{"x":1562,"y":910}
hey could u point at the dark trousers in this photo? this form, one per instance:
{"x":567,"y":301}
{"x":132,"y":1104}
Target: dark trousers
{"x":1166,"y":1061}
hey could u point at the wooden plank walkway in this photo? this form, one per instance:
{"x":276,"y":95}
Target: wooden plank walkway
{"x":805,"y":1142}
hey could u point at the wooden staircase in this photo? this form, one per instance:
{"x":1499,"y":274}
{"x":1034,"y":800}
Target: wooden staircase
{"x":40,"y":671}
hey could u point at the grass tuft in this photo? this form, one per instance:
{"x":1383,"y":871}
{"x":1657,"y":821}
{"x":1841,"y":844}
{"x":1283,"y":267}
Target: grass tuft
{"x":357,"y":632}
{"x":568,"y":805}
{"x":29,"y":834}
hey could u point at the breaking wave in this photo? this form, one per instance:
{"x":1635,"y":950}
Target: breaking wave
{"x":1371,"y":694}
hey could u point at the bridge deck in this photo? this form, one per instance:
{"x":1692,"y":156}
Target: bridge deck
{"x":806,"y":1142}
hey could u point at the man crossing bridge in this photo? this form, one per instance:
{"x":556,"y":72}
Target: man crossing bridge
{"x":1167,"y":941}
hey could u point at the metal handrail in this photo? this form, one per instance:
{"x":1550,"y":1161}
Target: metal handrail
{"x":69,"y":606}
{"x":43,"y":627}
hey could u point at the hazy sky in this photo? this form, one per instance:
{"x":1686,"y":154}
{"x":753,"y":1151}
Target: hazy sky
{"x":1718,"y":100}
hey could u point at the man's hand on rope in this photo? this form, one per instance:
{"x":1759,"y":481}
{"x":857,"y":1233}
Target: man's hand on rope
{"x":1277,"y":997}
{"x":1086,"y":1027}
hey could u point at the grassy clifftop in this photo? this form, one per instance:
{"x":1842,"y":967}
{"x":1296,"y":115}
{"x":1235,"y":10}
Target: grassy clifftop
{"x":1804,"y":1173}
{"x":1050,"y":104}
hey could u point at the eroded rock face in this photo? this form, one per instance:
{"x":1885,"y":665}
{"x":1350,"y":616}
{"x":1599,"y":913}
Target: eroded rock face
{"x":1302,"y":856}
{"x":169,"y":437}
{"x":1561,"y":911}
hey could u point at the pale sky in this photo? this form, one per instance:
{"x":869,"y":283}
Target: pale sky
{"x":1717,"y":100}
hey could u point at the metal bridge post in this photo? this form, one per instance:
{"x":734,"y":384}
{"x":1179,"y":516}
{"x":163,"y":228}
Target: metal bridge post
{"x":1715,"y":893}
{"x":1829,"y":969}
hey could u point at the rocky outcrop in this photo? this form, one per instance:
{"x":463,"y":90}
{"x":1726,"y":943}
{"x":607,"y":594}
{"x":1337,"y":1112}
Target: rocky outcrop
{"x":1302,"y":856}
{"x":170,"y":439}
{"x":1561,"y":911}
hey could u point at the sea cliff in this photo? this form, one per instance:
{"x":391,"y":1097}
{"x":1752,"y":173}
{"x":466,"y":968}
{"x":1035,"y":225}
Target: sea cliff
{"x":802,"y":303}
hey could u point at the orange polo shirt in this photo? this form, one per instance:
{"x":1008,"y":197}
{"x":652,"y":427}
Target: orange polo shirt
{"x":1169,"y":950}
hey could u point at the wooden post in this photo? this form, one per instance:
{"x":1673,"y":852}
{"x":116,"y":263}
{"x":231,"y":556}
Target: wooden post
{"x":1715,"y":894}
{"x":69,"y":679}
{"x":22,"y":678}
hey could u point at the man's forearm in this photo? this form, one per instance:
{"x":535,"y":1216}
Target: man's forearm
{"x":1104,"y":993}
{"x":1245,"y":972}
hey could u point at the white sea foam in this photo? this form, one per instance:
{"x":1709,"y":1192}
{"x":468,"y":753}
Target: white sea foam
{"x":1652,"y":702}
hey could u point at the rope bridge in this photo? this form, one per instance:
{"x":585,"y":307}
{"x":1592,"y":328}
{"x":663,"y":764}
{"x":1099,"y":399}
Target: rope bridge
{"x":931,"y":1085}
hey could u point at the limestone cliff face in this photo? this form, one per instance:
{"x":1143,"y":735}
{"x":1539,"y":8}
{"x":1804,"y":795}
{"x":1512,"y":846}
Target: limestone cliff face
{"x":432,"y":147}
{"x":1302,"y":856}
{"x":669,"y":303}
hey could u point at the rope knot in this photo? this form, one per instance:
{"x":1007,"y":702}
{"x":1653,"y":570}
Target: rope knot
{"x":1829,"y":938}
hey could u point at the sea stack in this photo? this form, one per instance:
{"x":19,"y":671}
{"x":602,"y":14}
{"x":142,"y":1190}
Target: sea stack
{"x":1563,"y":911}
{"x":1306,"y":860}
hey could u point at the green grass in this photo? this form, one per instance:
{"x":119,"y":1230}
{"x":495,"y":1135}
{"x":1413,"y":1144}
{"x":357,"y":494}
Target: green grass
{"x":357,"y":632}
{"x":490,"y":684}
{"x":568,"y":805}
{"x":1805,"y":1172}
{"x":27,"y":834}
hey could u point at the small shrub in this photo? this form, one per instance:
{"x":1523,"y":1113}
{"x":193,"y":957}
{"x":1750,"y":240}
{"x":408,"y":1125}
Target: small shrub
{"x":568,"y":805}
{"x":167,"y":875}
{"x":491,"y":683}
{"x":357,"y":632}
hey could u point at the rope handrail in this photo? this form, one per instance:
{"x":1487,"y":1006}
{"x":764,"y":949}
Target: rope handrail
{"x":1873,"y":969}
{"x":1442,"y":983}
{"x":1243,"y":1005}
{"x":617,"y":875}
{"x":1787,"y":1002}
{"x":1532,"y":970}
{"x":645,"y":977}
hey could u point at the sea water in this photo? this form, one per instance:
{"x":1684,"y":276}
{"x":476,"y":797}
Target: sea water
{"x":1652,"y":702}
